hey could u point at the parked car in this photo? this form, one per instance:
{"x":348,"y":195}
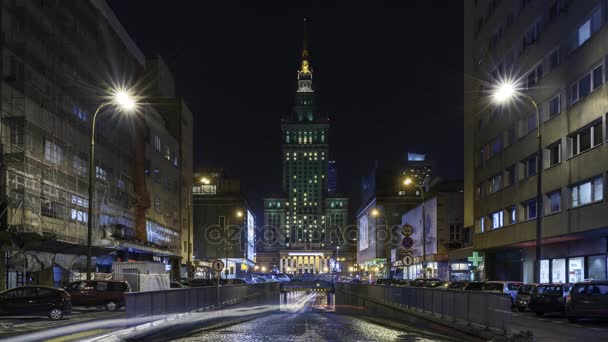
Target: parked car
{"x":108,"y":293}
{"x":177,"y":285}
{"x":234,"y":281}
{"x":549,"y":298}
{"x":458,"y":285}
{"x":587,"y":300}
{"x":383,"y":282}
{"x":522,"y":299}
{"x":436,"y":284}
{"x":35,"y":300}
{"x":199,"y":282}
{"x":508,"y":287}
{"x":474,"y":286}
{"x":421,"y":282}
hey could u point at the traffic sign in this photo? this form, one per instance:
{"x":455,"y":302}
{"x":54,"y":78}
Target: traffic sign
{"x":407,"y":230}
{"x":217,"y":265}
{"x":408,"y":260}
{"x":407,"y":242}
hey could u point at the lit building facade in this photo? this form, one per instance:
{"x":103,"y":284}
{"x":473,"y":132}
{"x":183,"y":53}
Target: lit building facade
{"x":557,"y":52}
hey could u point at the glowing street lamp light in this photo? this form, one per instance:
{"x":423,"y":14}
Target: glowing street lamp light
{"x":503,"y":92}
{"x":121,"y":99}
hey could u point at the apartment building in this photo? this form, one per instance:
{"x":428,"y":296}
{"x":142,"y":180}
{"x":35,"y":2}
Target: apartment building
{"x":555,"y":52}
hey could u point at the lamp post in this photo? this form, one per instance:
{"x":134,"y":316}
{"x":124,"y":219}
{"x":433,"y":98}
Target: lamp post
{"x":387,"y":247}
{"x":238,"y":214}
{"x":123,"y":100}
{"x":504,"y":92}
{"x":408,"y":181}
{"x":189,"y":250}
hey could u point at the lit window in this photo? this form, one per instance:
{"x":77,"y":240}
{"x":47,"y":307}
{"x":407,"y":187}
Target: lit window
{"x":529,"y":209}
{"x":101,"y":173}
{"x":587,"y":192}
{"x":78,"y":215}
{"x":53,"y":153}
{"x":511,"y":215}
{"x":497,"y":219}
{"x":156,"y":143}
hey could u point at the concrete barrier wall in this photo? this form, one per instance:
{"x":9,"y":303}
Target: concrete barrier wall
{"x":197,"y":298}
{"x":485,"y":310}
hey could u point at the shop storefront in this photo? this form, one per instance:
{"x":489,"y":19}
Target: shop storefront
{"x":573,"y":269}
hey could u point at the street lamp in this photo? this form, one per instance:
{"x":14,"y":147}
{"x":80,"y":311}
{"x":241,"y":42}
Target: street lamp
{"x":124,"y":101}
{"x":239,"y":214}
{"x":503,"y":92}
{"x":409,"y":182}
{"x":375,"y":212}
{"x":206,"y":181}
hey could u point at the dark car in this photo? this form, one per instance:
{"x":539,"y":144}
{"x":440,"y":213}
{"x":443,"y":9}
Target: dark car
{"x":35,"y":300}
{"x":232,"y":282}
{"x":474,"y":286}
{"x":203,"y":282}
{"x":176,"y":285}
{"x":109,"y":293}
{"x":458,"y":285}
{"x":522,"y":299}
{"x":422,"y":282}
{"x":546,"y":298}
{"x":383,"y":281}
{"x":587,"y":300}
{"x":436,"y":284}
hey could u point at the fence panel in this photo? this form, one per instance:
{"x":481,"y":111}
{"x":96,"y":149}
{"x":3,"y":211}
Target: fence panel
{"x":489,"y":310}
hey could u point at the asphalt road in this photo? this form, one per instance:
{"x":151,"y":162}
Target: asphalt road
{"x":14,"y":326}
{"x":308,"y":320}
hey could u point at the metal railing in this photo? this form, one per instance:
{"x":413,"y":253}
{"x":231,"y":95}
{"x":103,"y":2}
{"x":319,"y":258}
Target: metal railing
{"x":195,"y":298}
{"x":484,"y":309}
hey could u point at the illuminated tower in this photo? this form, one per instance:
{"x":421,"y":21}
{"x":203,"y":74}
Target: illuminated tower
{"x":305,"y":153}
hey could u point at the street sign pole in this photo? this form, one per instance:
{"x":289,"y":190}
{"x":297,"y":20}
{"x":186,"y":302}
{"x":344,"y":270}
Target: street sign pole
{"x":217,"y":266}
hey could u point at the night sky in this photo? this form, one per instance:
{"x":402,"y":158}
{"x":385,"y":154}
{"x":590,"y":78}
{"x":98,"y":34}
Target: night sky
{"x":388,"y":75}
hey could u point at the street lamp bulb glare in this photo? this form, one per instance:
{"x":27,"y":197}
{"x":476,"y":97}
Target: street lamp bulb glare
{"x":504,"y":92}
{"x":124,"y":100}
{"x":239,"y":213}
{"x":407,"y":181}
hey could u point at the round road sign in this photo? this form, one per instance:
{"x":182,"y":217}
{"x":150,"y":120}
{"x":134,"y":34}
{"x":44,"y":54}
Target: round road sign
{"x":407,"y":242}
{"x":217,"y":265}
{"x":407,"y":230}
{"x":408,"y":260}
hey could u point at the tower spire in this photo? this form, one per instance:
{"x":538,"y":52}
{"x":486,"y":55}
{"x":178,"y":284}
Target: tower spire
{"x":305,"y":68}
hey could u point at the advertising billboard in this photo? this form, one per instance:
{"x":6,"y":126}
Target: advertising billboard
{"x":250,"y":235}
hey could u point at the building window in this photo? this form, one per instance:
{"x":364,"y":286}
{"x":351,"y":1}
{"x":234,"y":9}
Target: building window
{"x":496,"y":183}
{"x":80,"y":201}
{"x":554,"y":202}
{"x":481,"y":224}
{"x":529,"y":209}
{"x":532,"y":122}
{"x":80,"y":165}
{"x":156,"y":143}
{"x":529,"y":166}
{"x":553,"y":154}
{"x":455,"y":232}
{"x":78,"y":215}
{"x":554,"y":59}
{"x":174,"y":159}
{"x":53,"y":153}
{"x":157,"y":204}
{"x":586,"y":84}
{"x":17,"y":134}
{"x":167,"y":153}
{"x":585,"y":139}
{"x":51,"y":208}
{"x":204,"y":189}
{"x":535,"y":75}
{"x":587,"y":192}
{"x":511,"y":215}
{"x":497,"y":219}
{"x":478,"y":191}
{"x":509,"y":176}
{"x":79,"y":113}
{"x":554,"y":106}
{"x":101,"y":173}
